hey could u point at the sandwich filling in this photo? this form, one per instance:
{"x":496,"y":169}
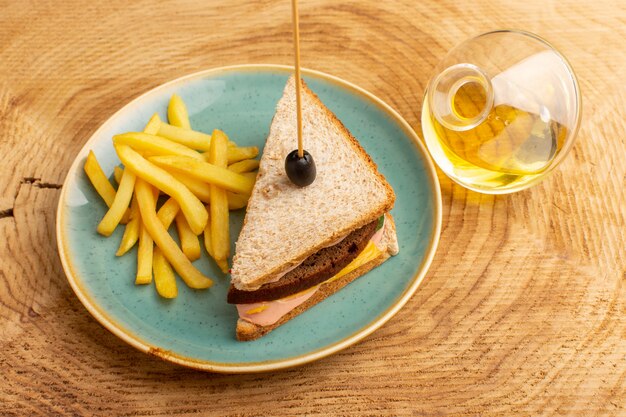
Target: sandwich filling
{"x":314,"y":270}
{"x":267,"y":312}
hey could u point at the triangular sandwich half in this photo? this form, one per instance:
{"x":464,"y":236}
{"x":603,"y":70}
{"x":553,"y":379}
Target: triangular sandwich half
{"x":300,"y":245}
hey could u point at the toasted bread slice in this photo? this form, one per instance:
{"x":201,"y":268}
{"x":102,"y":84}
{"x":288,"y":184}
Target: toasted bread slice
{"x":285,"y":224}
{"x":247,"y":331}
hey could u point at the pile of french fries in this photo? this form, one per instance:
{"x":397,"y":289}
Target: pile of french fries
{"x":201,"y":176}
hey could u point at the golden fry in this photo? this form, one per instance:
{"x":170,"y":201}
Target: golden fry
{"x":144,"y":257}
{"x":190,"y":138}
{"x":236,"y":154}
{"x":198,"y":187}
{"x":188,"y":241}
{"x":120,"y":204}
{"x":177,"y":112}
{"x":208,"y":245}
{"x":240,"y":153}
{"x":220,"y":238}
{"x":163,"y":275}
{"x":207,"y":235}
{"x":206,"y":172}
{"x":164,"y":278}
{"x":190,"y":205}
{"x":250,"y":175}
{"x":246,"y":165}
{"x":154,"y":145}
{"x":202,"y":190}
{"x":152,"y":127}
{"x":131,"y":231}
{"x":147,"y":205}
{"x":223,"y":265}
{"x":117,"y":174}
{"x":168,"y":211}
{"x":237,"y":201}
{"x":99,"y":181}
{"x":218,"y":153}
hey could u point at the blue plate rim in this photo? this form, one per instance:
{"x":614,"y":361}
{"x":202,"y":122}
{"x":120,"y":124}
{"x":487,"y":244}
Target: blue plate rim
{"x":250,"y":367}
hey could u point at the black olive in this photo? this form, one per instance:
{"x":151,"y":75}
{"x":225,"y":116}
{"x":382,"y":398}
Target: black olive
{"x":301,"y":171}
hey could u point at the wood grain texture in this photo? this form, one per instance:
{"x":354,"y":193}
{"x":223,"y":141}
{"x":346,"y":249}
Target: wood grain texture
{"x":522,"y":312}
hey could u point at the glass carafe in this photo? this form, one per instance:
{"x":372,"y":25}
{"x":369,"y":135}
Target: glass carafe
{"x":502,"y":111}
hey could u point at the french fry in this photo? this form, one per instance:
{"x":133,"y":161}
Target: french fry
{"x":207,"y":235}
{"x":218,"y":152}
{"x":208,"y":245}
{"x":99,"y":181}
{"x":206,"y":172}
{"x":240,"y":153}
{"x":190,"y":138}
{"x":161,"y":267}
{"x":144,"y":257}
{"x":177,"y":112}
{"x":154,"y":145}
{"x":152,"y":127}
{"x":188,"y":241}
{"x":246,"y":165}
{"x":237,"y":201}
{"x":220,"y":238}
{"x":120,"y":204}
{"x":202,"y":190}
{"x":236,"y":154}
{"x":147,"y":205}
{"x":250,"y":175}
{"x":198,"y":187}
{"x":168,"y":211}
{"x":223,"y":265}
{"x":131,"y":231}
{"x":164,"y":278}
{"x":117,"y":174}
{"x":189,"y":204}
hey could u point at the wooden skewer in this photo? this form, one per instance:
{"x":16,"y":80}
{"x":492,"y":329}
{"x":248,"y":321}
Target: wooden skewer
{"x":296,"y":43}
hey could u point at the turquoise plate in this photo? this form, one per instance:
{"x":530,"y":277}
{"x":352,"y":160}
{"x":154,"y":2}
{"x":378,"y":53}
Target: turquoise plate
{"x":197,"y":329}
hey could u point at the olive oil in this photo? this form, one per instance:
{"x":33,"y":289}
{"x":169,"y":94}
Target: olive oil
{"x":506,"y":150}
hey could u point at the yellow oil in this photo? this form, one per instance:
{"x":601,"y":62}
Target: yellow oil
{"x":507,"y":150}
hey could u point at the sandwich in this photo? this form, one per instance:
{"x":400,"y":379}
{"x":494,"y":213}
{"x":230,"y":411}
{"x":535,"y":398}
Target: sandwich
{"x":297,"y":245}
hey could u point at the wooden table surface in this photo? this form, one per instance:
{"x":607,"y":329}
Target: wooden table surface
{"x":521,"y":313}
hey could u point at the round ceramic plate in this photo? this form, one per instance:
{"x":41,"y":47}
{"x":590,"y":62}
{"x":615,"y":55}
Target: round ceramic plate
{"x":197,"y":328}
